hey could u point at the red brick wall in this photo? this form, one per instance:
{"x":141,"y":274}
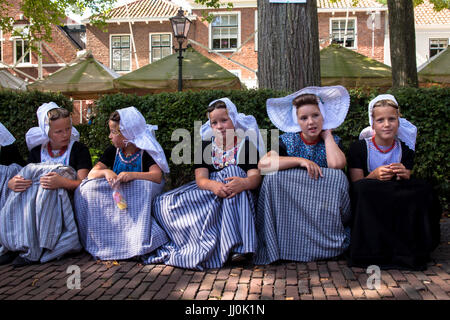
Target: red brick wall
{"x":60,"y":44}
{"x":98,"y":41}
{"x":364,"y":35}
{"x":246,"y":55}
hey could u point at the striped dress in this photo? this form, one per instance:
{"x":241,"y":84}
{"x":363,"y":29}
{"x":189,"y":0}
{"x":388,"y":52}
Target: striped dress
{"x":6,"y":173}
{"x":302,"y":219}
{"x":204,"y":228}
{"x":39,"y":222}
{"x":107,"y":232}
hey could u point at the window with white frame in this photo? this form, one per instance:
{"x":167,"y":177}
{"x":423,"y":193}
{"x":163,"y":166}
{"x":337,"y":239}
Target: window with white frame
{"x":121,"y":52}
{"x":343,"y":29}
{"x":22,"y":49}
{"x":437,"y":45}
{"x":22,"y":53}
{"x":225,"y":31}
{"x":160,"y":46}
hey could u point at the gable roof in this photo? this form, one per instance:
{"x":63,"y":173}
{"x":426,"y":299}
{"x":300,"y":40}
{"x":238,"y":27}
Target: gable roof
{"x":424,"y":14}
{"x":145,"y":9}
{"x":437,"y":69}
{"x":344,"y":4}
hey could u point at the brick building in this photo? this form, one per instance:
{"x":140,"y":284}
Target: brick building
{"x":55,"y":54}
{"x":231,"y":39}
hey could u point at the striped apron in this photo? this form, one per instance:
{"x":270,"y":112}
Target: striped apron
{"x":204,"y":228}
{"x":302,"y":219}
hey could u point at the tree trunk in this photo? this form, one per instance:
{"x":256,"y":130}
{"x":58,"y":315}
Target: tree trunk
{"x":402,"y":40}
{"x":288,"y":45}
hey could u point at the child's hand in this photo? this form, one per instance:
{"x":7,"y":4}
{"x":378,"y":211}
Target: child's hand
{"x":326,"y":134}
{"x":52,"y":181}
{"x":400,"y":170}
{"x":19,"y":184}
{"x":383,"y":173}
{"x":110,"y":176}
{"x":126,"y":176}
{"x":312,"y":168}
{"x":220,"y":189}
{"x":235,"y":186}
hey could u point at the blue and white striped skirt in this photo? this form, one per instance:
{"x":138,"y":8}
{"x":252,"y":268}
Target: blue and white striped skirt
{"x":107,"y":232}
{"x":39,"y":222}
{"x":6,"y":173}
{"x":302,"y":219}
{"x":204,"y":228}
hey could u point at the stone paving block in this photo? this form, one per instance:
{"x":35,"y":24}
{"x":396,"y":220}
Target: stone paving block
{"x":399,"y":294}
{"x":345,"y":293}
{"x":312,"y":266}
{"x":441,"y":283}
{"x":191,"y":291}
{"x":330,"y":290}
{"x":291,"y":277}
{"x":267,"y":292}
{"x":384,"y":291}
{"x":139,"y":291}
{"x":437,"y":291}
{"x":357,"y":291}
{"x":427,"y":295}
{"x":147,"y":295}
{"x":348,"y":273}
{"x":228,"y":295}
{"x":133,"y":271}
{"x":323,"y":271}
{"x":314,"y":278}
{"x":208,"y":282}
{"x":440,"y":273}
{"x":253,"y":296}
{"x":242,"y":292}
{"x":412,"y":293}
{"x":175,"y":275}
{"x":164,"y":292}
{"x":96,"y":294}
{"x":387,"y":278}
{"x":279,"y":288}
{"x":269,"y":278}
{"x":318,"y":293}
{"x":245,"y":276}
{"x":397,"y":275}
{"x":292,"y":292}
{"x":202,"y":295}
{"x":303,"y":287}
{"x":217,"y":289}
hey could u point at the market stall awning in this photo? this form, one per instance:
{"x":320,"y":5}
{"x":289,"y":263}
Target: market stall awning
{"x":86,"y":79}
{"x":199,"y":73}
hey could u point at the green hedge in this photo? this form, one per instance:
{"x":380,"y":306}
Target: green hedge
{"x":427,"y":108}
{"x":18,"y":112}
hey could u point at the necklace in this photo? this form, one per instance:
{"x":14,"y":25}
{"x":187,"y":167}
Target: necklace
{"x":55,"y":153}
{"x":379,"y":149}
{"x":309,"y":143}
{"x":132,"y":159}
{"x":225,"y":155}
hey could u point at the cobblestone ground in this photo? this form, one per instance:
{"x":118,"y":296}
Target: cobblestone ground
{"x":331,"y":280}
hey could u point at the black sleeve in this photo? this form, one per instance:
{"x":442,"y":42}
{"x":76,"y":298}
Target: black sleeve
{"x":80,"y":158}
{"x":407,"y":157}
{"x":249,"y":158}
{"x":108,"y":156}
{"x":203,"y":163}
{"x":147,"y":161}
{"x":35,"y":155}
{"x":10,"y":154}
{"x":357,"y":158}
{"x":282,"y":149}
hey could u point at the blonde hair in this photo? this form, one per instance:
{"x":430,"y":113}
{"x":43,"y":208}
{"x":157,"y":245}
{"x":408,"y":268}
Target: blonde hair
{"x":386,"y":103}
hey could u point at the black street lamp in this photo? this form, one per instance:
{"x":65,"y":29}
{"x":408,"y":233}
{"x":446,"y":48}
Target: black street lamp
{"x":180,"y":25}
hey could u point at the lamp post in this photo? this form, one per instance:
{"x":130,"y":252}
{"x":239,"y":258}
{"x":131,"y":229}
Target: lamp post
{"x":180,"y":26}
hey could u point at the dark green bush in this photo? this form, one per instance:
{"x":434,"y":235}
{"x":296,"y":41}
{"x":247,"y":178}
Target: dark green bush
{"x":18,"y":112}
{"x":427,"y":108}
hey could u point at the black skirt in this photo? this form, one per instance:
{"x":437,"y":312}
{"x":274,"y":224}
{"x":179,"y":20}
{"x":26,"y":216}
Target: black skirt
{"x":395,"y":224}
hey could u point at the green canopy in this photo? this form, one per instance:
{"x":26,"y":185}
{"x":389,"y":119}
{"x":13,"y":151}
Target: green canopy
{"x":339,"y":65}
{"x":437,"y":69}
{"x":9,"y":81}
{"x":87,"y":79}
{"x":199,"y":73}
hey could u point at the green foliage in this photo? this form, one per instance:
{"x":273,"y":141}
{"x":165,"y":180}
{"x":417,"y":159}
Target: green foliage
{"x":427,"y":108}
{"x":18,"y":112}
{"x":43,"y":14}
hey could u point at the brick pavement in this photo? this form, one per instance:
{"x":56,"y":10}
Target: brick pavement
{"x":321,"y":280}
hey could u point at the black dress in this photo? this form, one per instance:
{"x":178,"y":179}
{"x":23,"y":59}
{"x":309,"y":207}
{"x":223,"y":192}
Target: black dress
{"x":395,"y":223}
{"x":10,"y":154}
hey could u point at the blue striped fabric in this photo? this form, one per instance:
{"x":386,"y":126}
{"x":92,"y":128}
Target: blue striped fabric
{"x":6,"y":173}
{"x":302,"y":219}
{"x":109,"y":233}
{"x":203,"y":228}
{"x":39,"y":222}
